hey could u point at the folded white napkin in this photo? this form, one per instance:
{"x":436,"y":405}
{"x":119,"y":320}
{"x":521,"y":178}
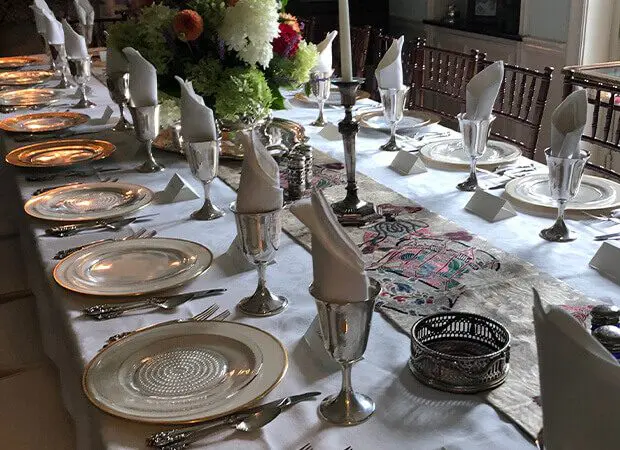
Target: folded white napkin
{"x":567,"y":124}
{"x":43,"y":6}
{"x":75,"y":44}
{"x":324,"y":62}
{"x":579,"y":382}
{"x":338,"y":266}
{"x":142,"y":79}
{"x":389,"y":71}
{"x":115,"y":61}
{"x":39,"y":19}
{"x":482,"y":91}
{"x":53,"y":30}
{"x":197,"y":121}
{"x":259,"y":186}
{"x":84,"y":11}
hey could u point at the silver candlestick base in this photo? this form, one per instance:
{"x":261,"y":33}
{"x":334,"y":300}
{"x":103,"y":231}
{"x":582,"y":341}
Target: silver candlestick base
{"x":345,"y":328}
{"x":146,"y":123}
{"x":351,"y":209}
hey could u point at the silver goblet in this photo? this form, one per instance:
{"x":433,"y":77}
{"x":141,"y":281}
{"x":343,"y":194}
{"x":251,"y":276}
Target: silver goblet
{"x":146,"y":124}
{"x":59,"y":56}
{"x":393,"y":101}
{"x":345,"y":328}
{"x":118,"y":86}
{"x":203,"y":158}
{"x":475,"y":134}
{"x":564,"y":180}
{"x":320,"y":87}
{"x":80,"y":69}
{"x":260,"y":238}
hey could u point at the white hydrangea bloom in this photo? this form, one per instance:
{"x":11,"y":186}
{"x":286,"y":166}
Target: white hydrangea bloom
{"x":249,"y":27}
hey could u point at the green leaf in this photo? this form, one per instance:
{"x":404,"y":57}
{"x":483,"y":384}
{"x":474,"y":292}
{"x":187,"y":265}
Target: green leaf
{"x":278,"y":99}
{"x":284,"y":3}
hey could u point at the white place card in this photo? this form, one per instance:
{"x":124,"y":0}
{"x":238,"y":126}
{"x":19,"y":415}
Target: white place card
{"x":406,"y":163}
{"x":489,"y":206}
{"x":177,"y":190}
{"x":606,"y":259}
{"x":330,"y":132}
{"x":238,"y":259}
{"x":315,"y":342}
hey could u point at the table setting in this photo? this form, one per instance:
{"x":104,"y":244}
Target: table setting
{"x":129,"y":287}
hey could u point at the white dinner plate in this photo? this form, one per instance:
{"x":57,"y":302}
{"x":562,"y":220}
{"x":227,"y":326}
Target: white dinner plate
{"x":132,"y":267}
{"x":88,"y":201}
{"x":450,"y":152}
{"x":185,"y":372}
{"x":594,"y":192}
{"x":412,"y":120}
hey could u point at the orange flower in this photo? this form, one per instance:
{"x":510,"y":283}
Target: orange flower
{"x":291,"y":21}
{"x":188,"y":25}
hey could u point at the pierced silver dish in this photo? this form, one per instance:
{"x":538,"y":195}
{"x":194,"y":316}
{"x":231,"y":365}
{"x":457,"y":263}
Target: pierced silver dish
{"x":459,"y":352}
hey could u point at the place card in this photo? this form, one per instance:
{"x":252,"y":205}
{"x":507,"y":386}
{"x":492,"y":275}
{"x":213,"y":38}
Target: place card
{"x":313,"y":338}
{"x":177,"y":190}
{"x":406,"y":163}
{"x":489,"y":206}
{"x":330,"y":132}
{"x":238,"y":260}
{"x":606,"y":259}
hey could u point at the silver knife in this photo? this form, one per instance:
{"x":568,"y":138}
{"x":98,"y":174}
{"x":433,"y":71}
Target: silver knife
{"x":171,"y":436}
{"x":112,"y":310}
{"x":68,"y":230}
{"x":603,"y":237}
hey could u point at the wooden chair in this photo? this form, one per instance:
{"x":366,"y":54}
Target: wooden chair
{"x":360,"y":38}
{"x":603,"y":130}
{"x":520,"y":106}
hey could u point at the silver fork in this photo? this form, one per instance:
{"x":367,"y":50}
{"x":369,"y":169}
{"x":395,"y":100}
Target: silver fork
{"x":306,"y":447}
{"x":604,"y":218}
{"x":223,"y":315}
{"x":141,"y":233}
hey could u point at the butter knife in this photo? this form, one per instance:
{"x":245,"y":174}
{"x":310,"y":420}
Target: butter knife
{"x":164,"y":438}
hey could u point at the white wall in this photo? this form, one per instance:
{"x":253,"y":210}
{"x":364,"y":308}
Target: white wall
{"x":546,"y":19}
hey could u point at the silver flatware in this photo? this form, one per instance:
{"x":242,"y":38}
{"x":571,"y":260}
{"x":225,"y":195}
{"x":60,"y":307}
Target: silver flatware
{"x":140,"y":234}
{"x":306,"y":447}
{"x":113,"y":224}
{"x":49,"y":188}
{"x":177,"y":435}
{"x":223,"y":315}
{"x":603,"y":218}
{"x":112,"y":310}
{"x":71,"y":173}
{"x":604,"y":237}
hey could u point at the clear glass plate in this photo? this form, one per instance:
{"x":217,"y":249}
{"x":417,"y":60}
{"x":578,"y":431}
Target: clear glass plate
{"x":451,"y":152}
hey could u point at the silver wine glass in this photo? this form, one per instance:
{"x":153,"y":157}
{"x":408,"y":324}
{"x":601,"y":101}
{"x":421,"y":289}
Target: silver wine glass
{"x":59,"y":56}
{"x":475,"y":134}
{"x":146,"y":124}
{"x":203,"y":158}
{"x":80,"y":69}
{"x":564,"y":180}
{"x":345,"y":328}
{"x":393,"y":101}
{"x":118,"y":87}
{"x":259,"y":234}
{"x":320,"y":87}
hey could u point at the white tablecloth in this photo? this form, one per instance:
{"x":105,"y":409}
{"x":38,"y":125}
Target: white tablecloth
{"x":409,"y":415}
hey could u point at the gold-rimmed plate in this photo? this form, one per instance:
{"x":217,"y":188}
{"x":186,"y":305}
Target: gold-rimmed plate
{"x":185,"y":372}
{"x":43,"y":122}
{"x":16,"y":62}
{"x":24,"y":77}
{"x":412,"y":119}
{"x":132,"y":267}
{"x":30,"y":97}
{"x":60,"y":153}
{"x":88,"y":201}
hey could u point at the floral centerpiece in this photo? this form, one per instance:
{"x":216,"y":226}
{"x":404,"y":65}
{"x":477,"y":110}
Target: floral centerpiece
{"x":237,"y":53}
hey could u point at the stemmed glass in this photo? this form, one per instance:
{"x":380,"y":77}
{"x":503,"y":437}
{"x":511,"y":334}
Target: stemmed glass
{"x":80,"y":69}
{"x":59,"y":56}
{"x":118,"y":86}
{"x":475,"y":134}
{"x":565,"y":176}
{"x":320,"y":87}
{"x":259,"y":234}
{"x":393,"y":101}
{"x":203,"y":158}
{"x":146,"y":124}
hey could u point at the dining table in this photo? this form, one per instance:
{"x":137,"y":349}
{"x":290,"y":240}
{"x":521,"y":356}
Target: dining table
{"x":408,"y":413}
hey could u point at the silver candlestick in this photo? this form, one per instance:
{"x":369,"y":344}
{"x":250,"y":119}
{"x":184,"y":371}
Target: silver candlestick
{"x":203,"y":158}
{"x":351,"y":209}
{"x":146,"y":123}
{"x":320,"y":87}
{"x":393,"y":101}
{"x":118,"y":86}
{"x":564,"y":180}
{"x":475,"y":135}
{"x":345,"y":328}
{"x":259,"y":234}
{"x":80,"y":69}
{"x":59,"y":55}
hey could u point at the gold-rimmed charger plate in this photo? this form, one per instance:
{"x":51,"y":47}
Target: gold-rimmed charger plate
{"x":43,"y":122}
{"x":333,"y":100}
{"x":30,"y":97}
{"x":15,"y":62}
{"x":60,"y":153}
{"x":88,"y":201}
{"x":133,"y":267}
{"x":185,"y":372}
{"x":412,"y":119}
{"x":24,"y":77}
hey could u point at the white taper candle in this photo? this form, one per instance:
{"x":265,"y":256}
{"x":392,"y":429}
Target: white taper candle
{"x":346,"y":67}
